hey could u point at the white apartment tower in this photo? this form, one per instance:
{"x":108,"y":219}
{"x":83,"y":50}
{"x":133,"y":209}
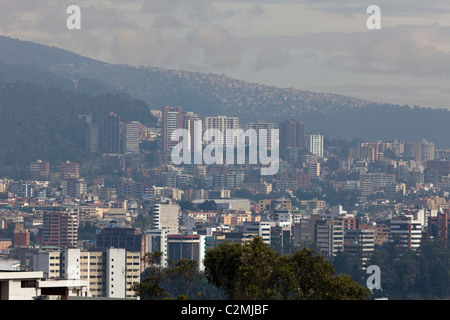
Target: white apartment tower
{"x":130,"y":136}
{"x":315,"y":144}
{"x":221,"y":123}
{"x":165,"y":216}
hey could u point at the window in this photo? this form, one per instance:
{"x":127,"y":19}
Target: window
{"x":28,"y":284}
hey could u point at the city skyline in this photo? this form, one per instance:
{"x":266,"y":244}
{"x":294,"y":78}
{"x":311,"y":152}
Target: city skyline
{"x":324,"y":47}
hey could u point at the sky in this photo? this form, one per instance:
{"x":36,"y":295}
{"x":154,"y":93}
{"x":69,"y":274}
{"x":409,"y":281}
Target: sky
{"x":316,"y":45}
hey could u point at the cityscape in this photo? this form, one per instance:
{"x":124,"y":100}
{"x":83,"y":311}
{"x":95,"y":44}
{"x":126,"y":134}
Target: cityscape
{"x":67,"y":223}
{"x":224,"y":158}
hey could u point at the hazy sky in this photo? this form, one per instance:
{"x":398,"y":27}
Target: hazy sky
{"x":318,"y":45}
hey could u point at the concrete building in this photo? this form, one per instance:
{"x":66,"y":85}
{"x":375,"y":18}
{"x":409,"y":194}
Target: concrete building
{"x":315,"y":144}
{"x":106,"y":274}
{"x":60,"y":229}
{"x":405,"y":231}
{"x":31,"y":285}
{"x":171,"y":120}
{"x":190,"y":247}
{"x":221,"y":123}
{"x":165,"y":216}
{"x":130,"y":136}
{"x":329,"y":237}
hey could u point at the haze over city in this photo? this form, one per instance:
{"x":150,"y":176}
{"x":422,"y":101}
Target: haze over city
{"x":321,"y":46}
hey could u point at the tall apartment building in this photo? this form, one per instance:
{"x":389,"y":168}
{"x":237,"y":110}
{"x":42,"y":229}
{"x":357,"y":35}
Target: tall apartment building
{"x":110,"y":134}
{"x":438,"y":225}
{"x":40,"y":170}
{"x":360,"y":241}
{"x":190,"y":247}
{"x":405,"y":231}
{"x":423,"y":151}
{"x":315,"y":144}
{"x":165,"y":215}
{"x":305,"y":229}
{"x":263,"y":125}
{"x":88,"y":132}
{"x":371,"y":182}
{"x":130,"y":239}
{"x":292,"y":134}
{"x":130,"y":136}
{"x":189,"y":120}
{"x":171,"y":120}
{"x":60,"y":229}
{"x":69,"y":170}
{"x":222,"y":123}
{"x":110,"y":273}
{"x":329,"y":237}
{"x":157,"y":242}
{"x":74,"y":188}
{"x":259,"y":228}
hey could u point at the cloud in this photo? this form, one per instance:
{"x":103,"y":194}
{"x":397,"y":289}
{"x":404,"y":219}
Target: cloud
{"x":216,"y":45}
{"x":272,"y":57}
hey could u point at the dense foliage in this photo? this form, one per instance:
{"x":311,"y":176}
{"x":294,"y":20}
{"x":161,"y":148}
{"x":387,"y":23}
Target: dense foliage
{"x":42,"y":123}
{"x":423,"y":274}
{"x":252,"y":271}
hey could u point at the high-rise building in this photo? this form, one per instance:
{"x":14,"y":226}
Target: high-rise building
{"x":329,"y":237}
{"x":110,"y":134}
{"x":73,"y":188}
{"x":190,"y":247}
{"x":315,"y":144}
{"x":40,"y":170}
{"x":263,"y":125}
{"x":157,"y":242}
{"x":88,"y":133}
{"x":171,"y":120}
{"x":189,"y":121}
{"x":438,"y":225}
{"x":223,"y":124}
{"x":69,"y":170}
{"x":360,"y":241}
{"x":165,"y":216}
{"x":130,"y":137}
{"x":423,"y":151}
{"x":109,"y":274}
{"x":292,"y":134}
{"x":405,"y":232}
{"x":60,"y":229}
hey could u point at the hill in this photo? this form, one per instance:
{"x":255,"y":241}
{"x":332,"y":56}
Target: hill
{"x":210,"y":94}
{"x":41,"y":122}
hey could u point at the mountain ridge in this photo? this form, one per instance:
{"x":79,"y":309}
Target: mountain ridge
{"x":211,"y":94}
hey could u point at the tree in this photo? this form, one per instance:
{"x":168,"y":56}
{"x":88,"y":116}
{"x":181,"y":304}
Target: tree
{"x":254,"y":271}
{"x":151,"y":287}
